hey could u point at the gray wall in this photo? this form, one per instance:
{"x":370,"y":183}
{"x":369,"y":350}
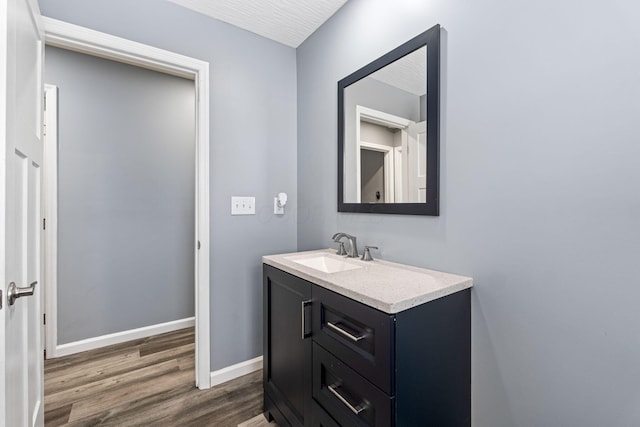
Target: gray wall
{"x":378,"y":134}
{"x":126,"y":199}
{"x":253,"y":148}
{"x":540,"y":191}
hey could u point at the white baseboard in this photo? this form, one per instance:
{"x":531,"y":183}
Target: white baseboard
{"x":120,"y":337}
{"x":234,"y":371}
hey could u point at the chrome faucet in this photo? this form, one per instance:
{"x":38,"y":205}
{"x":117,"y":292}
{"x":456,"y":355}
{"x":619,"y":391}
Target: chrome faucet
{"x":353,"y":246}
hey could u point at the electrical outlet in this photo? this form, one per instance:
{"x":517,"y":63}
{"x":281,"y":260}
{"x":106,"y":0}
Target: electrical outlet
{"x":278,"y":210}
{"x":243,"y":205}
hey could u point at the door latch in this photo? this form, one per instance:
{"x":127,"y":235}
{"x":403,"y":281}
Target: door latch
{"x":14,"y":292}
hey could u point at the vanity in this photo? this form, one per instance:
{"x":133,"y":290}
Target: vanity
{"x":364,"y":343}
{"x":350,"y":342}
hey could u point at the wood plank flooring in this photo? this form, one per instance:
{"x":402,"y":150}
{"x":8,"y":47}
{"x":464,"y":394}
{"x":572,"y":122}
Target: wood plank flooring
{"x":146,"y":382}
{"x":258,"y":421}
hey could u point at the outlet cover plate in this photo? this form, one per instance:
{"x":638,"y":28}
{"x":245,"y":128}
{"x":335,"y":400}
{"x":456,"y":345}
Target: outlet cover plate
{"x":278,"y":210}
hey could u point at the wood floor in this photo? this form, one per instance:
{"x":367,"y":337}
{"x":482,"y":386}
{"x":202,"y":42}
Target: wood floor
{"x":146,"y":382}
{"x":258,"y":421}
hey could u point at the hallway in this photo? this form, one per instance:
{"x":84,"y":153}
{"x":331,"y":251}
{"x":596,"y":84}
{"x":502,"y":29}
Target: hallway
{"x":144,"y":382}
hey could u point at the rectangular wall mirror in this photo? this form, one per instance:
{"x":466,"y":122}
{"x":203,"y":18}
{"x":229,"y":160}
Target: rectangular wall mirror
{"x":388,"y":131}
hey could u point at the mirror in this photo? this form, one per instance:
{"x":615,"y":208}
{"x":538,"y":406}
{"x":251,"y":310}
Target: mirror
{"x":388,"y":131}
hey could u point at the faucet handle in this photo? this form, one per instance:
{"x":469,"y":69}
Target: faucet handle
{"x":366,"y":255}
{"x":341,"y":250}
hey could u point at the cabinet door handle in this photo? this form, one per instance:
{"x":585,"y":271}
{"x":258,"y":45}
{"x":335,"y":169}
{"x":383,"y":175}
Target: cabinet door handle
{"x":303,"y":316}
{"x":339,"y":330}
{"x":333,"y":388}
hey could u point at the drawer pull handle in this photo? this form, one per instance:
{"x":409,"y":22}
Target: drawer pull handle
{"x":304,"y":318}
{"x":356,"y":410}
{"x":339,"y":330}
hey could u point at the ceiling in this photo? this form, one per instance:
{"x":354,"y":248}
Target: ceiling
{"x":289,"y":22}
{"x":407,"y":73}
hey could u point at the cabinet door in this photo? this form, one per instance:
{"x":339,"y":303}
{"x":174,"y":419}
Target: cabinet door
{"x":287,"y":347}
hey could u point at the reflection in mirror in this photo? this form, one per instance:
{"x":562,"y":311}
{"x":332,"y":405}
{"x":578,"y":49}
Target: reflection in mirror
{"x":385,"y":131}
{"x":388,"y":131}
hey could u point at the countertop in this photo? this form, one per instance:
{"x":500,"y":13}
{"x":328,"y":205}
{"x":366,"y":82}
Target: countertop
{"x":387,"y":286}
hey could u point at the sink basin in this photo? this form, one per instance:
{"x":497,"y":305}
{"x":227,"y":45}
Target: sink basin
{"x":325,"y":263}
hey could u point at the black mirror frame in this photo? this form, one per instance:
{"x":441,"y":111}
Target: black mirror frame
{"x":431,"y":39}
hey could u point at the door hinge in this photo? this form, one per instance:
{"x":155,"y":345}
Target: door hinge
{"x":44,"y":318}
{"x":44,"y":223}
{"x":198,"y":244}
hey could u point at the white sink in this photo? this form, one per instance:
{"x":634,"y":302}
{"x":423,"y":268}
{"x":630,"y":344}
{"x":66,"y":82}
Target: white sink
{"x":325,"y":263}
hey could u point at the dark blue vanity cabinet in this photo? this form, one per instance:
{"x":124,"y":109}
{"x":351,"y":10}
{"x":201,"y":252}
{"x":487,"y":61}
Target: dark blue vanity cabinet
{"x":332,"y":361}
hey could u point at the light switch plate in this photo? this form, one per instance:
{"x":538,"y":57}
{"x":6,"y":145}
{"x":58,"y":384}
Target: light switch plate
{"x":243,"y":205}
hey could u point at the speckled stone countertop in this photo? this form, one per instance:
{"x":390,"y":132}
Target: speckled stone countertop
{"x":384,"y":285}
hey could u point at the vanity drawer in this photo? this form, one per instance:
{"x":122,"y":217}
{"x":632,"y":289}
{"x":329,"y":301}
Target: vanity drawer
{"x":320,"y":418}
{"x":350,"y":399}
{"x":359,"y":335}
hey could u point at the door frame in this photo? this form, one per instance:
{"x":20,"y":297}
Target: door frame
{"x":73,"y":37}
{"x":49,"y":208}
{"x":398,"y":172}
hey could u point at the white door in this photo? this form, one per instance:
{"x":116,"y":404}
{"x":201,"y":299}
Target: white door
{"x":417,"y":162}
{"x":21,"y":360}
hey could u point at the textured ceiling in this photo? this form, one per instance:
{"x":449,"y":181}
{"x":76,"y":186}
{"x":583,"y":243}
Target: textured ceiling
{"x":408,"y":73}
{"x":289,"y":22}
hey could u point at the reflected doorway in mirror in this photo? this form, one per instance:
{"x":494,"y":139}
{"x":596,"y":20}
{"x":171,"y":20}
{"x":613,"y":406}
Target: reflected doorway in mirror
{"x":390,"y":158}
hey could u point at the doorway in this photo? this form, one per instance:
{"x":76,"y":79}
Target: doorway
{"x":390,"y":158}
{"x":79,"y":39}
{"x":376,"y":174}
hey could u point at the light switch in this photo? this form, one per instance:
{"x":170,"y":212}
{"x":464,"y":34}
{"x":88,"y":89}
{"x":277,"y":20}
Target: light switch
{"x":243,"y":205}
